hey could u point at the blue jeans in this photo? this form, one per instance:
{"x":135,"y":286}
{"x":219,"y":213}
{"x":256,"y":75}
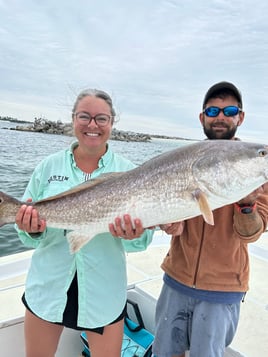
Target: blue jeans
{"x":184,"y":323}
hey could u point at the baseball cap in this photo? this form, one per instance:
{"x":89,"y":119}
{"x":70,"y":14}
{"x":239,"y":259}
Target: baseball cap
{"x":223,"y":87}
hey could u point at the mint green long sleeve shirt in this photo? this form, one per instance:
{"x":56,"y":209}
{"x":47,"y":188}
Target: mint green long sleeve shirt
{"x":100,"y":264}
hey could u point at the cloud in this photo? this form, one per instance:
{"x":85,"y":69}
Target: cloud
{"x":156,"y":59}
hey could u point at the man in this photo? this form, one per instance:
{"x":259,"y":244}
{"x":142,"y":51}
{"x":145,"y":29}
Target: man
{"x":207,"y":267}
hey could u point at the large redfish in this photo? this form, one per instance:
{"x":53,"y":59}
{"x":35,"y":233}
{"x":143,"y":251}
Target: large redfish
{"x":183,"y":183}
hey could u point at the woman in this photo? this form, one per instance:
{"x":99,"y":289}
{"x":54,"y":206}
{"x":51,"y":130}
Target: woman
{"x":86,"y":290}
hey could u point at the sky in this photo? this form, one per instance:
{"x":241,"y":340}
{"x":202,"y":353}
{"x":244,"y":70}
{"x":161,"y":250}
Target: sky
{"x":156,"y":58}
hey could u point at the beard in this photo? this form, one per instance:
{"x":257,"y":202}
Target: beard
{"x":211,"y":134}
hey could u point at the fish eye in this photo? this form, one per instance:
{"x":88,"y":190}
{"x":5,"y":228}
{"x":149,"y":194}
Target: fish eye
{"x":262,"y":152}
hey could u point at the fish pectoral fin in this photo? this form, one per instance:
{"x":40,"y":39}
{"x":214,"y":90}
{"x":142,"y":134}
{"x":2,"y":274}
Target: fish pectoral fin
{"x":77,"y":240}
{"x":206,"y":211}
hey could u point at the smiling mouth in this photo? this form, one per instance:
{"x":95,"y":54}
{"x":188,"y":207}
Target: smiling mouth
{"x":219,"y":126}
{"x":94,"y":135}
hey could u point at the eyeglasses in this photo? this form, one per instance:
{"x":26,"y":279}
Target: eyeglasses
{"x":84,"y":118}
{"x":229,"y":111}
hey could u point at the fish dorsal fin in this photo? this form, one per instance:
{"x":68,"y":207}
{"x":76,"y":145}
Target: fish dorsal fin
{"x":85,"y":185}
{"x":201,"y":198}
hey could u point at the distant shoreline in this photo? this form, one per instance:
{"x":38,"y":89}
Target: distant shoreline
{"x":59,"y":128}
{"x":14,"y":120}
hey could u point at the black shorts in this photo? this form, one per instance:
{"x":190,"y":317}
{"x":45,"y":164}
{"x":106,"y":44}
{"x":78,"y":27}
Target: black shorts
{"x":71,"y":311}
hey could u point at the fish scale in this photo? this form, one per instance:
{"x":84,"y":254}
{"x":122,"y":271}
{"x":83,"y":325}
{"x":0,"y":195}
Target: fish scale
{"x":180,"y":184}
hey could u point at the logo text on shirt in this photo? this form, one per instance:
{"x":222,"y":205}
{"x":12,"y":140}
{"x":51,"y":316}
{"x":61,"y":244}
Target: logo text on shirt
{"x":58,"y":178}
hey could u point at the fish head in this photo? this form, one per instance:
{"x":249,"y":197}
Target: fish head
{"x":227,"y":170}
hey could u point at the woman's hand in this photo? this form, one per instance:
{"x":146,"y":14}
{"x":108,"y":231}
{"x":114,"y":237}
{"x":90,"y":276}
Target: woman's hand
{"x":125,"y":229}
{"x":28,"y":220}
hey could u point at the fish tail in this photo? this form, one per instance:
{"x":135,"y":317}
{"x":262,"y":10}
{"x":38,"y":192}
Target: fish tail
{"x":8,"y":208}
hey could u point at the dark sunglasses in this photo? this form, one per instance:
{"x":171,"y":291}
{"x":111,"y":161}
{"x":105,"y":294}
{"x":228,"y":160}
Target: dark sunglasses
{"x":229,"y":111}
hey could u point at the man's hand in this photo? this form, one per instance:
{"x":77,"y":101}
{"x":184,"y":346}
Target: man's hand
{"x":251,"y":198}
{"x":175,"y":229}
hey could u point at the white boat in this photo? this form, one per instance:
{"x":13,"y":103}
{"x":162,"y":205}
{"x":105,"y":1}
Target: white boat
{"x":145,"y":281}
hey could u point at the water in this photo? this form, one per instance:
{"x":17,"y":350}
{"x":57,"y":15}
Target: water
{"x":21,"y":151}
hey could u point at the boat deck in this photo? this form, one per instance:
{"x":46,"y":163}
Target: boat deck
{"x":145,"y":274}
